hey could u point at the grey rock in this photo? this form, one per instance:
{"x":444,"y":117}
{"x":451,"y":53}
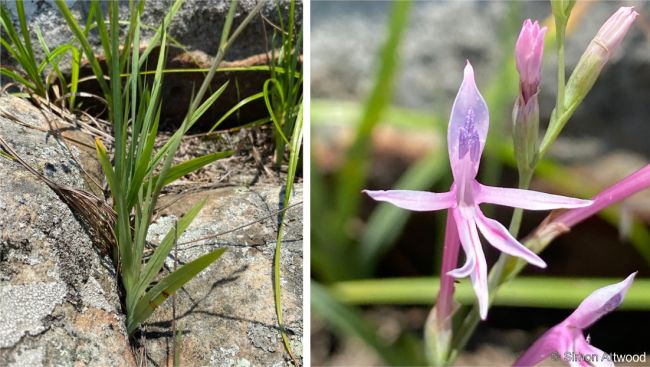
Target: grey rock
{"x":346,"y":37}
{"x":226,"y":314}
{"x":197,"y":25}
{"x":58,"y":295}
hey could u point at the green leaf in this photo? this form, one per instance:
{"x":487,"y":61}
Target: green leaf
{"x":236,"y":107}
{"x":269,"y":107}
{"x":157,"y":260}
{"x":88,"y":50}
{"x":191,"y":165}
{"x":544,"y":292}
{"x":166,"y":287}
{"x":107,"y":168}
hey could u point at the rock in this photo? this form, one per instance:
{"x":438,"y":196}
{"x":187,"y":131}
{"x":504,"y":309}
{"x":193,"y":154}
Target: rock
{"x":226,"y":315}
{"x":437,"y":43}
{"x":197,"y":24}
{"x":59,"y":298}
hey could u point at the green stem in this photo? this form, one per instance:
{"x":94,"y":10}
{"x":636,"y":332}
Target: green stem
{"x":559,"y":105}
{"x":524,"y":182}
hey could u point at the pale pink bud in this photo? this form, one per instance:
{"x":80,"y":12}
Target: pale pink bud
{"x":612,"y":32}
{"x":528,"y":57}
{"x":597,"y":54}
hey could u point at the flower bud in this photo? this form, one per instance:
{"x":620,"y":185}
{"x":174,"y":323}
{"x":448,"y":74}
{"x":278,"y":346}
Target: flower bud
{"x":525,"y":116}
{"x":528,"y":58}
{"x":597,"y":54}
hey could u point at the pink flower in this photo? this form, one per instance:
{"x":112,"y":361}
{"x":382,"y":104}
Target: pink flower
{"x":468,"y":128}
{"x":528,"y":58}
{"x":566,"y":340}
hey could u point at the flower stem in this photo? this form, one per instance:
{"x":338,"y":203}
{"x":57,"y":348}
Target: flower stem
{"x":524,"y":182}
{"x":561,"y":80}
{"x":438,"y":328}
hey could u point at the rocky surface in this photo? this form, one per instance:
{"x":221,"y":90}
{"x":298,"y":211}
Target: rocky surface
{"x":58,"y":296}
{"x":226,"y":315}
{"x":197,"y":24}
{"x":441,"y":35}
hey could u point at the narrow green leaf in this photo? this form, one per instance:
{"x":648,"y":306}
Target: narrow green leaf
{"x":107,"y":167}
{"x":88,"y":50}
{"x":191,"y":165}
{"x":352,"y":176}
{"x":269,"y":107}
{"x":235,"y":108}
{"x":545,"y":292}
{"x":166,"y":287}
{"x":157,"y":260}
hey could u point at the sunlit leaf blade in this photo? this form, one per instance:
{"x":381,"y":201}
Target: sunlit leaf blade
{"x":191,"y":165}
{"x":157,"y":260}
{"x":106,"y":167}
{"x":167,"y":286}
{"x":87,"y":48}
{"x":235,"y":108}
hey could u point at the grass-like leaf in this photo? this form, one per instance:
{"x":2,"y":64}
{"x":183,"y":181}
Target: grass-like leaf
{"x":167,"y":286}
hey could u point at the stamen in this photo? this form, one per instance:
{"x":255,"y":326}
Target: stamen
{"x":468,"y":140}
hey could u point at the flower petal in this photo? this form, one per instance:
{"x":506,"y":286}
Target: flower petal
{"x":473,"y":250}
{"x":525,"y":199}
{"x":498,"y":236}
{"x":555,"y":341}
{"x":468,"y":128}
{"x":588,"y":355}
{"x":415,"y":200}
{"x":466,"y":269}
{"x":599,"y":303}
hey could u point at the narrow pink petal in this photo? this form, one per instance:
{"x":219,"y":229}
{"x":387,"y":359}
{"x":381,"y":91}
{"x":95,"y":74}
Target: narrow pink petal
{"x":463,"y":231}
{"x":415,"y":200}
{"x":472,"y":246}
{"x":525,"y":199}
{"x":498,"y":236}
{"x":466,"y":269}
{"x":468,"y":128}
{"x":590,"y":355}
{"x":599,"y":303}
{"x":555,"y":341}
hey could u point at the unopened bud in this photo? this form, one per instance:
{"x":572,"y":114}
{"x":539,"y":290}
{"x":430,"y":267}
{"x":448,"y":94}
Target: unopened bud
{"x":597,"y":54}
{"x":525,"y":130}
{"x":528,"y":57}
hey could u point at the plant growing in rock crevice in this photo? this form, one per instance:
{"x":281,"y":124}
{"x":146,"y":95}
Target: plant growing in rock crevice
{"x":137,"y":174}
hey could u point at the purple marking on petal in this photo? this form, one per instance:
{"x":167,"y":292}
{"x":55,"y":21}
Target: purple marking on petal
{"x":468,"y":128}
{"x":468,"y":140}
